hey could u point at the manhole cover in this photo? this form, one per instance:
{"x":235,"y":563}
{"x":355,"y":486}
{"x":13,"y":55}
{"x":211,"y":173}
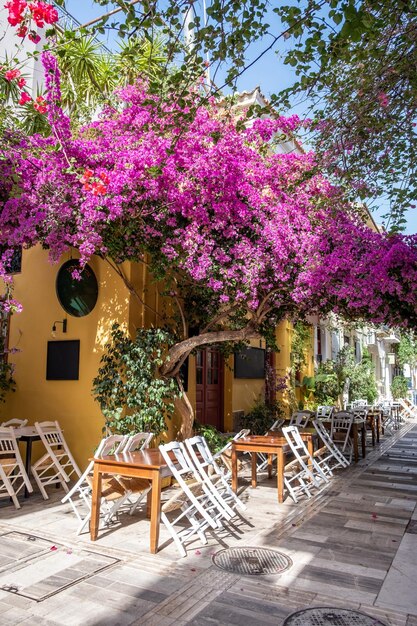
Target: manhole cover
{"x":329,"y":616}
{"x":253,"y":561}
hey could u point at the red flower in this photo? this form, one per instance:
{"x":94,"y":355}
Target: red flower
{"x":34,"y":36}
{"x":40,"y":105}
{"x":11,"y":74}
{"x":21,"y":83}
{"x":22,"y":31}
{"x":43,"y":12}
{"x":24,"y":98}
{"x":98,"y":189}
{"x":86,"y":176}
{"x":104,"y":177}
{"x":15,"y":9}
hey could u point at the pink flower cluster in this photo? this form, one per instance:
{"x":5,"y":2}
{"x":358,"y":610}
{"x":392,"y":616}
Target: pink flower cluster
{"x":20,"y":13}
{"x":263,"y":235}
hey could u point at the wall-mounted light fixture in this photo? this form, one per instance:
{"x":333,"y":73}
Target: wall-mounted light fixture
{"x":64,"y":325}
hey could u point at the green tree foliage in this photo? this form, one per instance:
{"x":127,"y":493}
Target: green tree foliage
{"x":360,"y":376}
{"x":399,"y":387}
{"x":407,"y":350}
{"x":327,"y":384}
{"x":131,"y":395}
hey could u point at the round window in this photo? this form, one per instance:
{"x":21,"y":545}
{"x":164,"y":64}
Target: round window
{"x":77,"y":297}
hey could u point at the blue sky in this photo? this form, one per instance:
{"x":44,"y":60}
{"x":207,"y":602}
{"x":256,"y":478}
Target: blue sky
{"x":270,"y":74}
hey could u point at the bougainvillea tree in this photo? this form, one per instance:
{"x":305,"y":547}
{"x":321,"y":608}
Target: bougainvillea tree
{"x":238,"y":236}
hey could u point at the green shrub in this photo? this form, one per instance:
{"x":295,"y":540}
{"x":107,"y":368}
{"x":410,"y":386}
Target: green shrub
{"x":399,"y":387}
{"x":131,"y":395}
{"x":262,"y":416}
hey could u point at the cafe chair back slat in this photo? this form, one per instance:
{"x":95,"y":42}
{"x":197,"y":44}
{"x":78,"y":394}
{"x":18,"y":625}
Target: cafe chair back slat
{"x":192,"y":502}
{"x":212,"y":476}
{"x":224,"y":456}
{"x":136,"y":486}
{"x":263,"y":458}
{"x":139,"y":441}
{"x":14,"y":423}
{"x":301,"y":418}
{"x":341,"y":431}
{"x":57,"y":465}
{"x":324,"y":412}
{"x":329,"y":451}
{"x":13,"y":476}
{"x":113,"y":494}
{"x":303,"y":473}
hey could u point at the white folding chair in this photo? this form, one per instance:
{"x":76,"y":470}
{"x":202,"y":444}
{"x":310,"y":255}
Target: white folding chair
{"x":192,"y":502}
{"x":329,"y":452}
{"x":263,"y":458}
{"x":405,"y":410}
{"x":15,"y":423}
{"x":57,"y":465}
{"x":136,"y":486}
{"x":324,"y":412}
{"x":113,"y":494}
{"x":301,"y":418}
{"x":212,"y":476}
{"x":303,"y":473}
{"x":341,"y":431}
{"x":224,"y":456}
{"x":13,"y":475}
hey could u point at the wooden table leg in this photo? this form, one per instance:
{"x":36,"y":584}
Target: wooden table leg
{"x":280,"y":474}
{"x":363,"y":429}
{"x":378,"y":426}
{"x":355,"y":443}
{"x":254,"y":459}
{"x":269,"y":465}
{"x":155,"y":511}
{"x":373,"y":425}
{"x":234,"y":470}
{"x":95,"y":503}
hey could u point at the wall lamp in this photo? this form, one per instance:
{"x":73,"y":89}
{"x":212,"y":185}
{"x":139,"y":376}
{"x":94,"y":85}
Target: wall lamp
{"x":64,"y":325}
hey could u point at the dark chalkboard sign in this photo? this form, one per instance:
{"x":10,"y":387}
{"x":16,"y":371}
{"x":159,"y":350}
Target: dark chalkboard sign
{"x":250,"y":363}
{"x":63,"y":359}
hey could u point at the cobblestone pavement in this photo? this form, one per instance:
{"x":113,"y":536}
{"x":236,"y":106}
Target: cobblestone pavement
{"x":352,"y":546}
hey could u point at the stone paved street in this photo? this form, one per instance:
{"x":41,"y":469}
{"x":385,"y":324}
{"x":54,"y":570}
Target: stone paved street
{"x":353,"y":546}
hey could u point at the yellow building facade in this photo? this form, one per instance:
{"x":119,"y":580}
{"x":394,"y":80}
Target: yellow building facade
{"x":70,"y":401}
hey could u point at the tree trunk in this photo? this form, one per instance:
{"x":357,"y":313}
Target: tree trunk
{"x":184,"y":408}
{"x":176,"y":356}
{"x":182,"y":349}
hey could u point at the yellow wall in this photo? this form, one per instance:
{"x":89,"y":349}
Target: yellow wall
{"x":69,"y":402}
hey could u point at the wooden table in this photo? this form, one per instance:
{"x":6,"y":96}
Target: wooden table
{"x":267,"y":444}
{"x":148,"y":464}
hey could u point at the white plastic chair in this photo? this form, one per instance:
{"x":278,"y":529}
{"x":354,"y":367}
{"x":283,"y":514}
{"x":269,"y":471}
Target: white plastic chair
{"x":113,"y":494}
{"x":193,"y":501}
{"x":303,"y":473}
{"x":212,"y":476}
{"x":341,"y":431}
{"x":57,"y":465}
{"x":329,"y":453}
{"x":15,"y":423}
{"x":13,"y":475}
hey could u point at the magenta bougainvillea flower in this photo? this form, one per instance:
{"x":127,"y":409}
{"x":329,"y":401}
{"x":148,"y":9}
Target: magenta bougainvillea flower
{"x":209,"y":201}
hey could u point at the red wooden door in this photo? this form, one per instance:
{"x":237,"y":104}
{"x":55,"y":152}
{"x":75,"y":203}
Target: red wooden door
{"x":209,"y":387}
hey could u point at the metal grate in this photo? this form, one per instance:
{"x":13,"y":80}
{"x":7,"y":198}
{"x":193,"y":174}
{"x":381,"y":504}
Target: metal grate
{"x":252,"y":561}
{"x":329,"y":616}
